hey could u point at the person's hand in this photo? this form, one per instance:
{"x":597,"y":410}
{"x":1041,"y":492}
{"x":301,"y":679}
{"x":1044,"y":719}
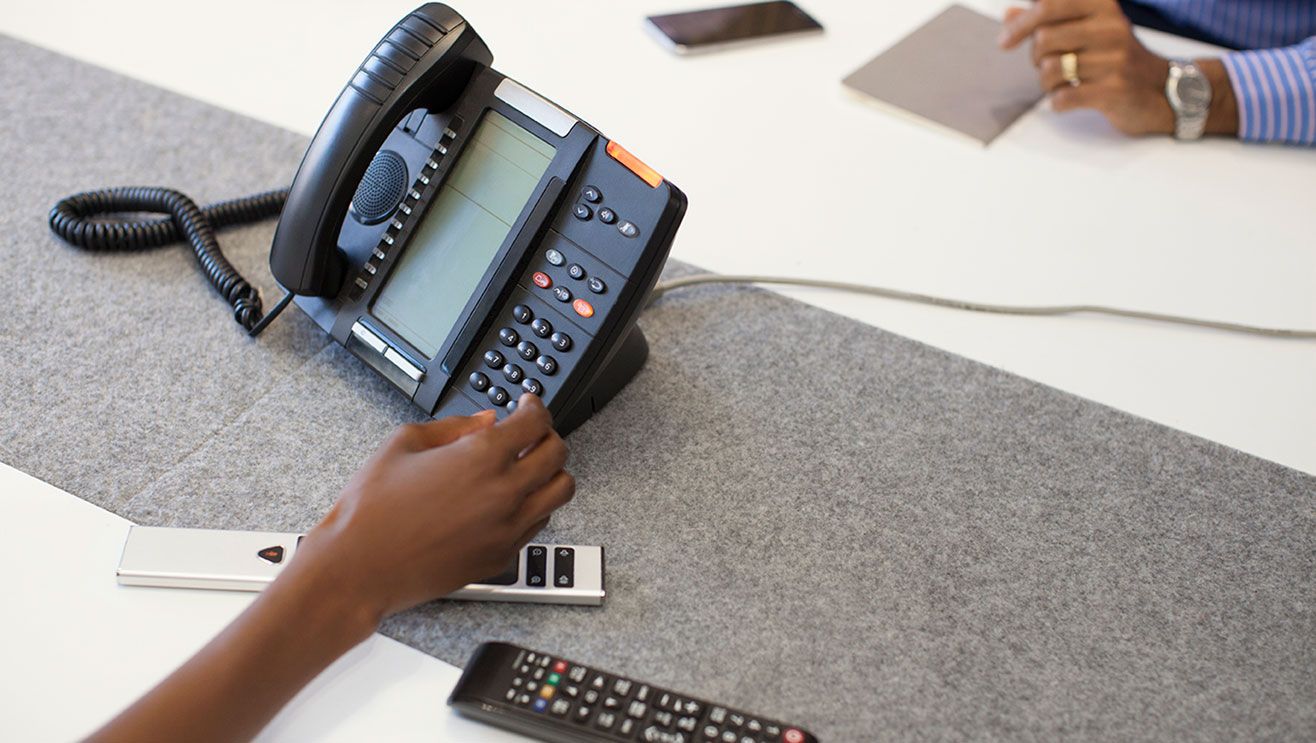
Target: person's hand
{"x":1117,"y":75}
{"x":440,"y":505}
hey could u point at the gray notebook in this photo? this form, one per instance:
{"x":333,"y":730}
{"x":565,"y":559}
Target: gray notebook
{"x":951,"y":71}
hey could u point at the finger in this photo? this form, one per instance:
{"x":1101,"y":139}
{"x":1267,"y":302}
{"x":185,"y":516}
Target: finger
{"x":1043,"y":12}
{"x":538,"y":465}
{"x":1074,"y":36}
{"x":524,"y":428}
{"x":530,"y":533}
{"x":1087,"y":95}
{"x":1011,"y":14}
{"x":1091,"y":67}
{"x":432,"y":434}
{"x":551,"y":496}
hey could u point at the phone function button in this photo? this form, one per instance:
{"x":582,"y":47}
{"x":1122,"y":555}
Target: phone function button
{"x":562,"y":294}
{"x":582,"y":212}
{"x":494,"y":360}
{"x":541,"y":280}
{"x":513,"y":373}
{"x":541,"y":327}
{"x":628,"y":229}
{"x":583,"y":308}
{"x":498,"y":396}
{"x":527,"y":350}
{"x":596,"y":285}
{"x":533,"y":386}
{"x":479,"y":382}
{"x":555,"y":257}
{"x":408,"y":368}
{"x":607,"y":216}
{"x":576,"y":271}
{"x":272,"y":555}
{"x":508,"y":337}
{"x":522,"y":314}
{"x":561,"y":341}
{"x":547,"y":365}
{"x":591,"y":194}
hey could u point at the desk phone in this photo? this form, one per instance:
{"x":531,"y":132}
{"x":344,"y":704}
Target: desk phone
{"x":467,"y":238}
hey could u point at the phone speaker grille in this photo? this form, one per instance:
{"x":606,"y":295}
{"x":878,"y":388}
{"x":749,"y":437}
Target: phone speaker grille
{"x":381,"y":188}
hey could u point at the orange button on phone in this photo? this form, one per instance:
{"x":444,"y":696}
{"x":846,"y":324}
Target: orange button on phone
{"x":541,"y":280}
{"x":583,"y":308}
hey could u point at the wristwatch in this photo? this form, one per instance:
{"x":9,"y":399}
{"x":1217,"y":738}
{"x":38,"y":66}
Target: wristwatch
{"x":1189,"y":93}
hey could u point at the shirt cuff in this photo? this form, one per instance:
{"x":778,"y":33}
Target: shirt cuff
{"x":1276,"y":93}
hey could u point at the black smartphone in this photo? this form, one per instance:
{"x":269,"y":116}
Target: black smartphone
{"x":719,"y":28}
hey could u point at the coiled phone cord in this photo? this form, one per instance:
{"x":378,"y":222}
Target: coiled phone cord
{"x":75,"y":220}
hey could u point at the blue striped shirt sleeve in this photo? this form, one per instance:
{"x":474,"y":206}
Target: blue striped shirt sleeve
{"x":1276,"y":93}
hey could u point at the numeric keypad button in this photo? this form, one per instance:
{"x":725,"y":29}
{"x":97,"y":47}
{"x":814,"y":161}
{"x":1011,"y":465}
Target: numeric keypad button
{"x":533,"y":386}
{"x":541,"y":327}
{"x":547,"y":365}
{"x":498,"y":396}
{"x":494,"y":360}
{"x":479,"y":382}
{"x":522,"y":314}
{"x":561,"y":341}
{"x":527,"y":350}
{"x":508,"y":337}
{"x":513,"y":373}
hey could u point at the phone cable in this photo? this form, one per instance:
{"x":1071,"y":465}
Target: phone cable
{"x":960,"y":304}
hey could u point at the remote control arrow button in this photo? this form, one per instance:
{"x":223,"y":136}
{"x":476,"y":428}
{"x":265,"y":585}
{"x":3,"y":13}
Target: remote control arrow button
{"x":272,"y":555}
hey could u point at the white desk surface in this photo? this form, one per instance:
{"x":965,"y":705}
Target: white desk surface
{"x":787,"y":173}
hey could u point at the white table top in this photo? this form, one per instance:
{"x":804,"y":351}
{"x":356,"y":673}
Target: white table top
{"x":787,"y":173}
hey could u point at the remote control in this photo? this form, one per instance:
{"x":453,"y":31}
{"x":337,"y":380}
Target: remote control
{"x":250,"y":560}
{"x":558,"y":700}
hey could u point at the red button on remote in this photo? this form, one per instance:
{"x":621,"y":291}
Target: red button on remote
{"x":583,"y":308}
{"x":792,"y":736}
{"x":541,"y":280}
{"x":560,"y":667}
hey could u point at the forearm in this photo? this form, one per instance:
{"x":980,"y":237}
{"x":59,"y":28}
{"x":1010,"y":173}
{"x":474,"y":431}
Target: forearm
{"x":1223,"y":116}
{"x":241,"y":679}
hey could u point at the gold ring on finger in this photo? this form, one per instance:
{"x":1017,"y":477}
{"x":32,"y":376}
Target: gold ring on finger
{"x":1069,"y":67}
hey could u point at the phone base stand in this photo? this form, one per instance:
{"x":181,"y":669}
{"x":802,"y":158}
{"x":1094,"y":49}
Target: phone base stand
{"x":615,"y":373}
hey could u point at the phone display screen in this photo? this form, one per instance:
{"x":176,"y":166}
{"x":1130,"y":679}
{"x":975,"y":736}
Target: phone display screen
{"x":733,"y":23}
{"x":461,"y":232}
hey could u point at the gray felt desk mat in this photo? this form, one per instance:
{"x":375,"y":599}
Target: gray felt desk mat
{"x":805,"y":516}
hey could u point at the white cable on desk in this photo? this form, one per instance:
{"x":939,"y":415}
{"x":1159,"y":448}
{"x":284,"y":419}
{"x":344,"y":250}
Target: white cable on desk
{"x":960,"y":304}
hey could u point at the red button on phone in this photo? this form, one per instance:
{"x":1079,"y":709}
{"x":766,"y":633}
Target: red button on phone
{"x":541,"y":280}
{"x":583,"y":308}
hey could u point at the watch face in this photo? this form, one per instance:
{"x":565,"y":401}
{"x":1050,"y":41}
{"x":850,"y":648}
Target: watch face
{"x":1194,"y":93}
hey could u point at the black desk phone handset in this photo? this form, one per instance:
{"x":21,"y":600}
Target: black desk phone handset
{"x":465,"y":237}
{"x":469,"y":239}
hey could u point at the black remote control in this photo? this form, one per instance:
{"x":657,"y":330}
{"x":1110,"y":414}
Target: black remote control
{"x":562,"y":701}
